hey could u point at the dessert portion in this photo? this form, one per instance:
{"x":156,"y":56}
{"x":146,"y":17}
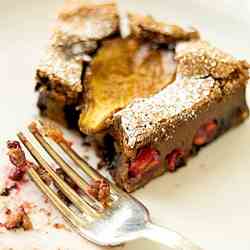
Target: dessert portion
{"x":148,"y":100}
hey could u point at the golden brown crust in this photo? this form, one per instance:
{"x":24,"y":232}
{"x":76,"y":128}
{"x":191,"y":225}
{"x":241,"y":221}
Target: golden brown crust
{"x":200,"y":59}
{"x":85,"y":22}
{"x":148,"y":28}
{"x":81,"y":7}
{"x":58,"y":68}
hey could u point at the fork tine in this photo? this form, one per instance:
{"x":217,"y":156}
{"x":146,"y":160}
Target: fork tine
{"x":65,"y":188}
{"x":86,"y":167}
{"x":77,"y":159}
{"x":82,"y":164}
{"x":73,"y":174}
{"x":68,"y":170}
{"x":63,"y":209}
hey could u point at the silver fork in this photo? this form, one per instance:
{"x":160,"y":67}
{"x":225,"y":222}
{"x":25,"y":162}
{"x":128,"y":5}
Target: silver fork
{"x":124,"y":219}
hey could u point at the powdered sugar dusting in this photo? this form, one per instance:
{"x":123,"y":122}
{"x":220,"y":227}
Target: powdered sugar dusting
{"x":144,"y":116}
{"x":56,"y":64}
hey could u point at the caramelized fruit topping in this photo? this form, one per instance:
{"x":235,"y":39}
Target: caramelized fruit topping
{"x":206,"y":133}
{"x":175,"y":159}
{"x":122,"y":70}
{"x":146,"y":159}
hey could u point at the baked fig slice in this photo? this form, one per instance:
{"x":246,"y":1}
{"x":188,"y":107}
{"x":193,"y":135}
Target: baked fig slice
{"x":122,"y":70}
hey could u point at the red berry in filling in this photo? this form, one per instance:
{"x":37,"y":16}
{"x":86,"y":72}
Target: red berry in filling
{"x":175,"y":159}
{"x":145,"y":160}
{"x":206,"y":133}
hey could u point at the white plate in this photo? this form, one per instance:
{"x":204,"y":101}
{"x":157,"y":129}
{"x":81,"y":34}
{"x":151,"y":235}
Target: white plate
{"x":208,"y":201}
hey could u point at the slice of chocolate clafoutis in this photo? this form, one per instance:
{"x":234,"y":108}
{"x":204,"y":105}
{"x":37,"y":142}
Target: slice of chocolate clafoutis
{"x":148,"y":94}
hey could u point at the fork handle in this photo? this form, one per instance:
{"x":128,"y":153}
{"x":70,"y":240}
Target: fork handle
{"x":168,"y":237}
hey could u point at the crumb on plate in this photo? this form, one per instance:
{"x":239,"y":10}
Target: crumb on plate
{"x":17,"y":219}
{"x":59,"y":226}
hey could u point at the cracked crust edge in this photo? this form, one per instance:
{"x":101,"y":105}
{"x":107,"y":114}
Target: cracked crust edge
{"x":148,"y":28}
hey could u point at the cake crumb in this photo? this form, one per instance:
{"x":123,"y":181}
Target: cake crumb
{"x":18,"y":159}
{"x":19,"y":219}
{"x":33,"y":127}
{"x":21,"y":166}
{"x":100,"y":190}
{"x":52,"y":131}
{"x":44,"y":175}
{"x":59,"y":226}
